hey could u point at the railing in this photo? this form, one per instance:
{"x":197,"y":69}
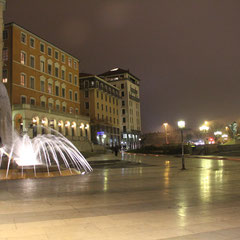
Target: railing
{"x":134,"y":98}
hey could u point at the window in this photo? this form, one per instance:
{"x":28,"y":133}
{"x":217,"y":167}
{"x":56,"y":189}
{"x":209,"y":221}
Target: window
{"x":63,"y":74}
{"x":23,"y":58}
{"x":86,"y":105}
{"x":69,"y":62}
{"x":63,"y":58}
{"x":123,"y":103}
{"x":116,"y":102}
{"x":5,"y":34}
{"x":42,"y":47}
{"x":75,"y":80}
{"x":124,"y":120}
{"x":57,"y":107}
{"x":32,"y":82}
{"x":56,"y":55}
{"x":43,"y":104}
{"x":86,"y":94}
{"x":106,"y":108}
{"x":23,"y":99}
{"x":122,"y":86}
{"x":123,"y":111}
{"x":42,"y":66}
{"x":102,"y":106}
{"x":101,"y":96}
{"x":23,"y":81}
{"x":5,"y":76}
{"x":98,"y":105}
{"x":76,"y":96}
{"x":98,"y":116}
{"x":110,"y":119}
{"x":50,"y":88}
{"x":5,"y":54}
{"x":110,"y":99}
{"x":75,"y":65}
{"x":71,"y":110}
{"x":106,"y":97}
{"x":32,"y":61}
{"x":86,"y":84}
{"x":110,"y":109}
{"x":102,"y":117}
{"x":113,"y":110}
{"x":64,"y":109}
{"x":50,"y":105}
{"x":23,"y":38}
{"x":76,"y":111}
{"x":113,"y":100}
{"x":57,"y":90}
{"x":32,"y":101}
{"x":56,"y":72}
{"x":49,"y":68}
{"x":63,"y":92}
{"x":122,"y":93}
{"x":49,"y":50}
{"x":32,"y":42}
{"x":70,"y":95}
{"x":70,"y":77}
{"x":42,"y":86}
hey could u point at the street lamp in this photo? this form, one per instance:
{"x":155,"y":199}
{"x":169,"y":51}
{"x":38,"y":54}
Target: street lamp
{"x":181,"y":125}
{"x":204,"y":128}
{"x":165,"y":127}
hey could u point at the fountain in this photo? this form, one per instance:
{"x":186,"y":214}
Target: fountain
{"x":45,"y":155}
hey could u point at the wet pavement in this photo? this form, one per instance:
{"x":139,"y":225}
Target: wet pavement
{"x":129,"y":197}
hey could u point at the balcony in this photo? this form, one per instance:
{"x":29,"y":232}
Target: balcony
{"x":134,"y":98}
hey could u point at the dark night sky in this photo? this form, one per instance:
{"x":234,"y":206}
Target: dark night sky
{"x":186,"y":52}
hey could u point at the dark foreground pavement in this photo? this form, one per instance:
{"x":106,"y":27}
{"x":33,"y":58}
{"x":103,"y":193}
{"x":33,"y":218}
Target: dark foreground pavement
{"x":137,"y":197}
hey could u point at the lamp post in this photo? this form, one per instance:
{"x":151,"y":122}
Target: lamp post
{"x":165,"y":127}
{"x":181,"y":125}
{"x":204,"y":128}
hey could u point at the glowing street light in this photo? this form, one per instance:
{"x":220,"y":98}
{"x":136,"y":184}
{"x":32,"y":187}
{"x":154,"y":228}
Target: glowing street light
{"x":181,"y":126}
{"x":165,"y":127}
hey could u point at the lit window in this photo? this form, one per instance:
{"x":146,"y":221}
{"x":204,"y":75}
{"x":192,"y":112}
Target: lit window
{"x":5,"y":54}
{"x":23,"y":38}
{"x":69,"y":62}
{"x":50,"y":88}
{"x":5,"y":76}
{"x":42,"y":47}
{"x":23,"y":58}
{"x":32,"y":61}
{"x":75,"y":65}
{"x":32,"y":42}
{"x":32,"y":82}
{"x":23,"y":81}
{"x":42,"y":66}
{"x":71,"y":110}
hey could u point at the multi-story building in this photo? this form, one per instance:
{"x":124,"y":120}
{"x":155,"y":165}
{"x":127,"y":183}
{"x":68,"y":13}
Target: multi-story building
{"x":100,"y":101}
{"x":130,"y":104}
{"x":2,"y":8}
{"x":43,"y":85}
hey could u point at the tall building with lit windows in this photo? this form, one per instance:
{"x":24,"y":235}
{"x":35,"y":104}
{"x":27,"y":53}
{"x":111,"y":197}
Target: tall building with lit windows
{"x":130,"y":116}
{"x":101,"y":101}
{"x":43,"y":85}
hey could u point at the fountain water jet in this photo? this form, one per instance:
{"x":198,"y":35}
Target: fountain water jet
{"x":42,"y":152}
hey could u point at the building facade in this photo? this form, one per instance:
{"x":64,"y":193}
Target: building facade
{"x":101,"y":101}
{"x":43,"y":86}
{"x":130,"y":116}
{"x":2,"y":8}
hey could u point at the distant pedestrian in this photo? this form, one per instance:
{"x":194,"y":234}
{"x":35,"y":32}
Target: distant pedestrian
{"x":116,"y":149}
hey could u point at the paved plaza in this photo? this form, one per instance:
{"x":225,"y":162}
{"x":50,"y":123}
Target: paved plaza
{"x":136,"y":197}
